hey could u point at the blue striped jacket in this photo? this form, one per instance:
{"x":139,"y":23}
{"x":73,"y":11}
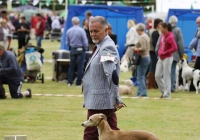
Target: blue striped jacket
{"x":99,"y":90}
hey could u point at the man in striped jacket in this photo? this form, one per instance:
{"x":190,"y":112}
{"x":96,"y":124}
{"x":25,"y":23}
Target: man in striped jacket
{"x":101,"y":77}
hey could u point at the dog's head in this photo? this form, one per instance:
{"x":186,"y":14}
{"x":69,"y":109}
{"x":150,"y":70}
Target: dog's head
{"x":183,"y":61}
{"x":94,"y":120}
{"x":124,"y":66}
{"x":129,"y":83}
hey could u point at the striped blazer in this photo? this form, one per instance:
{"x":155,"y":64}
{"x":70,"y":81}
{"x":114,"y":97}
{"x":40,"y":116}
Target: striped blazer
{"x":99,"y":90}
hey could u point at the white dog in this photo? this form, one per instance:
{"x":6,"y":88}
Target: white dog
{"x":187,"y":73}
{"x":177,"y":77}
{"x":127,"y":89}
{"x":124,"y":67}
{"x":196,"y":78}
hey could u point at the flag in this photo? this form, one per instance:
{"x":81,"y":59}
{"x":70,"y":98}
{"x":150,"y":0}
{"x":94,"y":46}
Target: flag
{"x":35,"y":2}
{"x":23,"y":2}
{"x":60,"y":1}
{"x":71,"y":1}
{"x":48,"y":2}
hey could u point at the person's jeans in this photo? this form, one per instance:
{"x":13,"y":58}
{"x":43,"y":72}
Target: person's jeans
{"x":76,"y":58}
{"x":173,"y":75}
{"x":39,"y":40}
{"x":141,"y":79}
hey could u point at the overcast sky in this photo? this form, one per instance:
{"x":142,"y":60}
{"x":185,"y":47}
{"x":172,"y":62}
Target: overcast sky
{"x":165,"y":5}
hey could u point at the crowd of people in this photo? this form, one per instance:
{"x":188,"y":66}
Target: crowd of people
{"x":10,"y":69}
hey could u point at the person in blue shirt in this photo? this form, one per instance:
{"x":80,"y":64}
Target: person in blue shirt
{"x":77,"y":42}
{"x":11,"y":74}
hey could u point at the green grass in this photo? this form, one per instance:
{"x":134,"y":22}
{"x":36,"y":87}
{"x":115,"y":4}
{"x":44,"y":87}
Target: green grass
{"x":60,"y":118}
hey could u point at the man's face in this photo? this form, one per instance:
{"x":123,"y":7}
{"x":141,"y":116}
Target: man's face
{"x":38,"y":17}
{"x":198,"y":22}
{"x":97,"y":32}
{"x":23,"y":20}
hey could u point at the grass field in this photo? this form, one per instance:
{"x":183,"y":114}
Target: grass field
{"x":60,"y":118}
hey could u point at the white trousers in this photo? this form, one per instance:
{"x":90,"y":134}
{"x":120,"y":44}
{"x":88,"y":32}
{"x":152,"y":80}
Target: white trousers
{"x":163,"y":75}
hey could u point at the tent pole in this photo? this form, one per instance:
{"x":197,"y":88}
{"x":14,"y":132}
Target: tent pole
{"x":66,"y":8}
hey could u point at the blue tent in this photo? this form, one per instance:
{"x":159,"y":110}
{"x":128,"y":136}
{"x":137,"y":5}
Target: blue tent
{"x":117,"y":16}
{"x":187,"y":23}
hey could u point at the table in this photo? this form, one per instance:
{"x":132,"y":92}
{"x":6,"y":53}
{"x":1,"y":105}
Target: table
{"x":61,"y":62}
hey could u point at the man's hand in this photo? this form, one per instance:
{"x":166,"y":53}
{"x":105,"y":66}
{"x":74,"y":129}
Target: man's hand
{"x":119,"y":106}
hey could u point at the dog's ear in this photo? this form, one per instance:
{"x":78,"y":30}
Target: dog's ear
{"x":102,"y":116}
{"x":182,"y":61}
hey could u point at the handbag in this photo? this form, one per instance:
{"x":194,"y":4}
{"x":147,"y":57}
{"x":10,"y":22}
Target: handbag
{"x":136,"y":59}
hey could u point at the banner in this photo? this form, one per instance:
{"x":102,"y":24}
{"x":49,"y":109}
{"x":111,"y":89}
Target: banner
{"x":23,"y":2}
{"x":71,"y":1}
{"x":48,"y":2}
{"x":35,"y":2}
{"x":60,"y":1}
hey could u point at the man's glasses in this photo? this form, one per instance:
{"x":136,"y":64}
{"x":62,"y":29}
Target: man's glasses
{"x":198,"y":22}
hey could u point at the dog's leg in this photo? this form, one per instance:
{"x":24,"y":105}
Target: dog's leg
{"x":184,"y":83}
{"x":189,"y":83}
{"x":177,"y":83}
{"x":195,"y":85}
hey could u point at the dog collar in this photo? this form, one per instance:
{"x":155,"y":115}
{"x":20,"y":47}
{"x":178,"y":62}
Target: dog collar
{"x":100,"y":121}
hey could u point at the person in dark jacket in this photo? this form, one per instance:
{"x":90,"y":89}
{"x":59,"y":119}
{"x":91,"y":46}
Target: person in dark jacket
{"x":111,"y":34}
{"x":154,"y":35}
{"x":11,"y":74}
{"x":178,"y":54}
{"x":23,"y":31}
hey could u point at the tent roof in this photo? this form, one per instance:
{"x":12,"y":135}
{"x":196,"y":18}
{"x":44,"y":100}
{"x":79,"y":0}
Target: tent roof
{"x":23,"y":7}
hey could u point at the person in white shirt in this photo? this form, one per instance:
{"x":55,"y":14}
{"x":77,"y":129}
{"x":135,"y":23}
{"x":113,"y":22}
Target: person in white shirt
{"x":5,"y":33}
{"x":55,"y":24}
{"x":56,"y":29}
{"x":131,"y":36}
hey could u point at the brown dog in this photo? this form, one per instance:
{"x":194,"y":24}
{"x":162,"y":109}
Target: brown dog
{"x":106,"y":133}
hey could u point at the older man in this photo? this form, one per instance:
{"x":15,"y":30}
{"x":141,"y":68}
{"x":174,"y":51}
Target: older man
{"x":195,"y":44}
{"x":177,"y":55}
{"x":101,"y":78}
{"x":11,"y":74}
{"x":78,"y":44}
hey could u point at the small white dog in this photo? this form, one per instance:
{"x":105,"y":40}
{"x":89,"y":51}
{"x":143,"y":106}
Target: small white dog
{"x":127,"y":89}
{"x":124,"y":66}
{"x":187,"y":73}
{"x":177,"y":77}
{"x":196,"y":78}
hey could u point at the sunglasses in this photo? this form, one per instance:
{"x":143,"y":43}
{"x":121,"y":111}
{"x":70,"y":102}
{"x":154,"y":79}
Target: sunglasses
{"x":198,"y":22}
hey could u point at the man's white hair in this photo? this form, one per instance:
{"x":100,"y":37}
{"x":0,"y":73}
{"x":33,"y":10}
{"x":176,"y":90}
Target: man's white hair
{"x":75,"y":20}
{"x":99,"y":19}
{"x":173,"y":20}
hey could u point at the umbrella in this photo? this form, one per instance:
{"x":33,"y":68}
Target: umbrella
{"x":24,"y":7}
{"x":29,"y":13}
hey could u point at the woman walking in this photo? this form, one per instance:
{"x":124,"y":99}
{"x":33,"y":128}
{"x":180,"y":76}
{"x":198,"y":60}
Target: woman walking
{"x":142,"y":46}
{"x":166,"y":47}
